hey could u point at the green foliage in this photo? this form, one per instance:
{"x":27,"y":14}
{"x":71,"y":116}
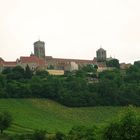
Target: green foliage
{"x":44,"y":114}
{"x":127,"y":128}
{"x":17,"y":90}
{"x":95,"y":66}
{"x":42,"y":74}
{"x":39,"y":135}
{"x":133,"y":74}
{"x":90,"y":68}
{"x":60,"y":136}
{"x":28,"y":73}
{"x":16,"y":73}
{"x":2,"y":81}
{"x":2,"y":85}
{"x":81,"y":133}
{"x":80,"y":73}
{"x":84,"y":87}
{"x":6,"y":71}
{"x":5,"y":121}
{"x":137,"y":63}
{"x":50,"y":116}
{"x":113,"y":63}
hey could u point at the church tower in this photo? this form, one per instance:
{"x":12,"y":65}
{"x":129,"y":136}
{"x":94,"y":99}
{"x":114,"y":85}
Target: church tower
{"x":101,"y":54}
{"x":39,"y":49}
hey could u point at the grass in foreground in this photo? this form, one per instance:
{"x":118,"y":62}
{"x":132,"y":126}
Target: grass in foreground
{"x":31,"y":114}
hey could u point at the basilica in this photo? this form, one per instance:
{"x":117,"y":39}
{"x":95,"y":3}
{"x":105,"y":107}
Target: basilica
{"x":38,"y":60}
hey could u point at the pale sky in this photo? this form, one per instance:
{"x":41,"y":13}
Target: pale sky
{"x":70,"y":28}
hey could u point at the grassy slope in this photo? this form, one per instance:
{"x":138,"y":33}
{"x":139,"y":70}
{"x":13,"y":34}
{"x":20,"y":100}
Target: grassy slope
{"x":32,"y":114}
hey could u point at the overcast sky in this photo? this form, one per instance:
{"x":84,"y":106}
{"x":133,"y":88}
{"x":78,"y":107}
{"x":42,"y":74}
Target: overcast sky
{"x":70,"y":28}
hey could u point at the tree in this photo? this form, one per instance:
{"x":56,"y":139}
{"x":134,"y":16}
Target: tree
{"x":113,"y":63}
{"x":60,"y":136}
{"x":137,"y":63}
{"x":2,"y":81}
{"x":28,"y":72}
{"x":82,"y":133}
{"x":42,"y":73}
{"x":36,"y":86}
{"x":96,"y":67}
{"x":2,"y":85}
{"x":107,"y":93}
{"x":7,"y":71}
{"x":39,"y":135}
{"x":133,"y":74}
{"x":5,"y":121}
{"x":90,"y":68}
{"x":127,"y":128}
{"x":17,"y":73}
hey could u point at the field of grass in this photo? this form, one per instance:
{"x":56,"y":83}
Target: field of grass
{"x":31,"y":114}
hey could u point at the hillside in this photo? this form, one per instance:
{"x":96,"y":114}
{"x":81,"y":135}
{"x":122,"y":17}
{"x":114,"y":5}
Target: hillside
{"x":30,"y":114}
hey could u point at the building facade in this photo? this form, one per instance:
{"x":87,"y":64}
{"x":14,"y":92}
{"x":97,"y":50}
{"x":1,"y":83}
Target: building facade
{"x":66,"y":64}
{"x":39,"y":60}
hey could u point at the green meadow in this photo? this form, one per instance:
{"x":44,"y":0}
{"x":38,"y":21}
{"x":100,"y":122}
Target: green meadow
{"x":32,"y":114}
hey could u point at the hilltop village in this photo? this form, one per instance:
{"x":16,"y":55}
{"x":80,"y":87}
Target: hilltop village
{"x":57,"y":66}
{"x":28,"y":85}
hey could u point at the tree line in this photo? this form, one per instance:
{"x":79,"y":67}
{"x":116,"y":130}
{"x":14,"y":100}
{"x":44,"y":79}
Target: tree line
{"x":85,"y":87}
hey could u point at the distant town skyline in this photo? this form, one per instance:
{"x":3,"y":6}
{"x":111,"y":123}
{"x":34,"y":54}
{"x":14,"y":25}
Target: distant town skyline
{"x":71,"y":29}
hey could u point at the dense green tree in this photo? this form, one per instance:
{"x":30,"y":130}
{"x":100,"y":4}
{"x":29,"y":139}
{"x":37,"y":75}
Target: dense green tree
{"x":39,"y":135}
{"x":5,"y":121}
{"x":6,"y":70}
{"x":113,"y":63}
{"x":107,"y":93}
{"x":18,"y":69}
{"x":90,"y":68}
{"x":129,"y":94}
{"x":126,"y":128}
{"x":36,"y":86}
{"x":28,"y":73}
{"x":137,"y":63}
{"x":133,"y":74}
{"x":17,"y":89}
{"x":2,"y":80}
{"x":80,"y":73}
{"x":114,"y":75}
{"x":2,"y":85}
{"x":42,"y":73}
{"x":60,"y":136}
{"x":82,"y":133}
{"x":96,"y":67}
{"x":16,"y":73}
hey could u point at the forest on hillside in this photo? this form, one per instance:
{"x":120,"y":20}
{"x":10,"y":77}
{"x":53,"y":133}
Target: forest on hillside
{"x":85,"y":87}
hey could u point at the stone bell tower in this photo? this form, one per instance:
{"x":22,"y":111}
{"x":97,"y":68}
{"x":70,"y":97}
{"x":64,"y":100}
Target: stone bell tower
{"x":39,"y":49}
{"x":101,"y":54}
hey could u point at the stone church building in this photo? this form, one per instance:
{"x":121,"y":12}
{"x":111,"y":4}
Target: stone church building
{"x":65,"y":64}
{"x":39,"y":60}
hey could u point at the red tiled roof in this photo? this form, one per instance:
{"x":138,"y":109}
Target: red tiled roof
{"x":1,"y":61}
{"x":32,"y":59}
{"x":75,"y":60}
{"x":9,"y":63}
